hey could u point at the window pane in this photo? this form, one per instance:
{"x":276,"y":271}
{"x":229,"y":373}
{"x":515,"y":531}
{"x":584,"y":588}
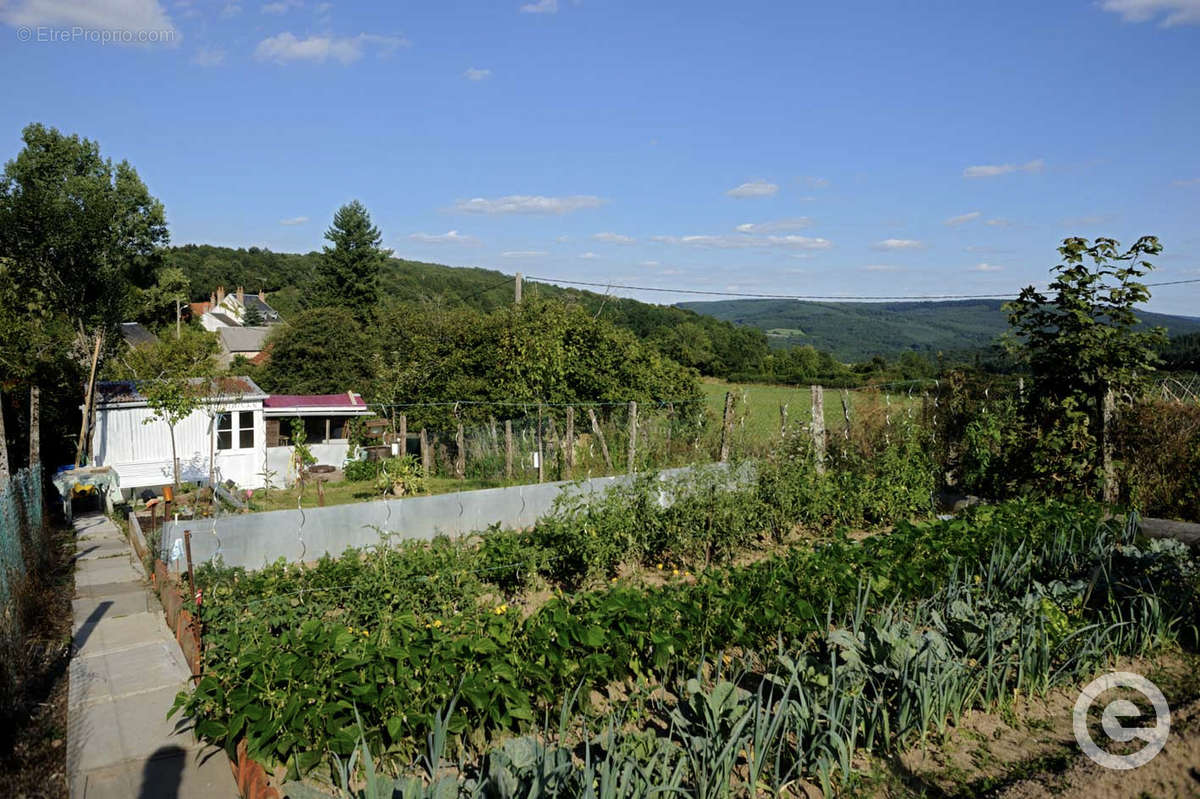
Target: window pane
{"x":246,"y":439}
{"x":224,"y":439}
{"x":246,"y":420}
{"x":225,"y":421}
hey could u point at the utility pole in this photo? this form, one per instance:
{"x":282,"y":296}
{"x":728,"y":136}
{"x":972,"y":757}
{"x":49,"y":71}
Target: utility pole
{"x":517,"y":289}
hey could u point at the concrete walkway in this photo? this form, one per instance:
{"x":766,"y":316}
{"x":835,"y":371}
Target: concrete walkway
{"x":126,"y":669}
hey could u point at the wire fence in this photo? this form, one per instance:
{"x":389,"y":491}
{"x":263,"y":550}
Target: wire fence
{"x":510,"y":442}
{"x":22,"y":534}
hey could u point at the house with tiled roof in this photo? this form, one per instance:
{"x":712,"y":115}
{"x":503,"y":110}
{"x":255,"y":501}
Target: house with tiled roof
{"x":230,"y":310}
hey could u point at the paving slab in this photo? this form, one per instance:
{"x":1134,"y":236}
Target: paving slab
{"x":137,"y":668}
{"x":105,"y":570}
{"x":113,"y":633}
{"x":125,"y":672}
{"x":196,"y":774}
{"x":91,"y":605}
{"x":101,"y":548}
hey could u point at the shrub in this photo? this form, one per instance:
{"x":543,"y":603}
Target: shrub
{"x":360,"y":471}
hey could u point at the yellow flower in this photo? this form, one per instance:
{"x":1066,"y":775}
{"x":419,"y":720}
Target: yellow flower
{"x":436,"y":623}
{"x":427,"y":626}
{"x":613,"y":580}
{"x":660,"y":565}
{"x":674,"y":572}
{"x":978,"y":579}
{"x":727,"y":659}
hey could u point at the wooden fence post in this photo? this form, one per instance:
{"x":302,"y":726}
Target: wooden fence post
{"x":508,"y":449}
{"x":631,"y":455}
{"x":727,"y":426}
{"x":846,"y":414}
{"x":426,"y":455}
{"x":818,"y":427}
{"x":541,"y":454}
{"x":552,"y":441}
{"x":1108,"y":408}
{"x":35,"y":429}
{"x":600,"y":437}
{"x":403,"y":435}
{"x":570,"y":441}
{"x":460,"y":444}
{"x":783,"y":409}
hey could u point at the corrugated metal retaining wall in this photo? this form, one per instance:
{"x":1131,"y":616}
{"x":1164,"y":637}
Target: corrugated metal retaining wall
{"x":256,"y":539}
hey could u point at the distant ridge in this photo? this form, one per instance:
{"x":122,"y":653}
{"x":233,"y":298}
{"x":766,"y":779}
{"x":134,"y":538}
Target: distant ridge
{"x":854,"y":331}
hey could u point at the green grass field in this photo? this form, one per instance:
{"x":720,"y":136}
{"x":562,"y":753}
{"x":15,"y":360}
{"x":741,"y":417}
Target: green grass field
{"x":757,"y":408}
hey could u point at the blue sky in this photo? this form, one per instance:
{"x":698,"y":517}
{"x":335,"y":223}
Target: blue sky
{"x":839,"y":148}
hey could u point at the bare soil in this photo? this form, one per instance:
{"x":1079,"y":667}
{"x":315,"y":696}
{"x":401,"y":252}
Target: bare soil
{"x":1028,"y":750}
{"x":33,"y":733}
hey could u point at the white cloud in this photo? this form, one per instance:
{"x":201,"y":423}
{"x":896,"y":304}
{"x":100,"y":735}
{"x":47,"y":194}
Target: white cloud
{"x":881,"y":268}
{"x":999,"y":222}
{"x":670,"y":272}
{"x":588,"y":256}
{"x":995,"y":170}
{"x":778,"y":226}
{"x":528,"y":204}
{"x":987,"y":268}
{"x":523,"y":254}
{"x":962,"y":219}
{"x":209,"y":57}
{"x":729,"y":242}
{"x":816,"y":182}
{"x":613,"y":238}
{"x":649,"y":263}
{"x":449,"y":237}
{"x":1188,"y":182}
{"x":540,"y":7}
{"x":279,"y":7}
{"x":898,"y":244}
{"x":286,"y":47}
{"x":230,"y":11}
{"x":1173,"y":12}
{"x":477,"y":74}
{"x":295,"y":220}
{"x":754,"y":188}
{"x":134,"y":16}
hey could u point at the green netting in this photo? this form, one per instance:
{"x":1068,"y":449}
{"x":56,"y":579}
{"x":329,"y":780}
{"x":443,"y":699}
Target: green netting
{"x":21,"y":533}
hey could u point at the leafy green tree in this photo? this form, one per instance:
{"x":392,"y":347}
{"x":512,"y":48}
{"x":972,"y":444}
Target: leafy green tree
{"x":323,"y":350}
{"x":165,"y":299}
{"x":1082,"y":340}
{"x":171,"y":401}
{"x":77,"y":235}
{"x":252,"y":317}
{"x":76,"y":229}
{"x":348,"y":274}
{"x":193,"y":354}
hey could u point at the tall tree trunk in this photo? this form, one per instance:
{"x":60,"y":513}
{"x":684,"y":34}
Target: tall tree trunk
{"x":85,"y":425}
{"x":174,"y":463}
{"x":178,"y":318}
{"x":35,"y":426}
{"x":4,"y":473}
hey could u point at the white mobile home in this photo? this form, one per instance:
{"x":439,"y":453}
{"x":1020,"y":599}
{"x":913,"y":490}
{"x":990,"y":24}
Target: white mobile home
{"x":224,"y":437}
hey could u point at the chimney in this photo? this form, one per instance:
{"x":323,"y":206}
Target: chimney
{"x":220,"y":294}
{"x":212,"y":300}
{"x":241,"y":297}
{"x":262,"y":295}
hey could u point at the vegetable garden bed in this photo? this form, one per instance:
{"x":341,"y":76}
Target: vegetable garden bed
{"x":733,"y":678}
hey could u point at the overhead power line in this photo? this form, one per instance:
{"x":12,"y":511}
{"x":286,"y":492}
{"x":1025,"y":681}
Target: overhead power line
{"x":747,"y":295}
